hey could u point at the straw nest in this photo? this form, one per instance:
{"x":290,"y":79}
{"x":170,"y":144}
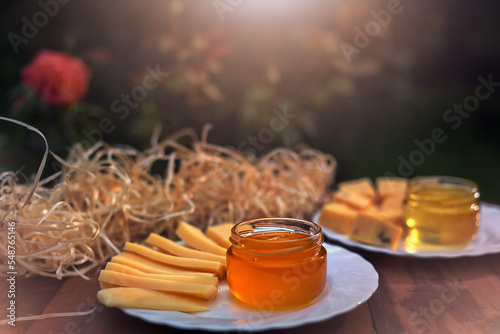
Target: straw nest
{"x":105,"y":196}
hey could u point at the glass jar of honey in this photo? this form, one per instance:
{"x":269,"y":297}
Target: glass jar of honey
{"x":276,"y":263}
{"x":441,"y":211}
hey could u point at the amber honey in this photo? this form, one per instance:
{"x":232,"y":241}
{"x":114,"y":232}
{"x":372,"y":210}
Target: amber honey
{"x":441,"y":211}
{"x":276,"y":263}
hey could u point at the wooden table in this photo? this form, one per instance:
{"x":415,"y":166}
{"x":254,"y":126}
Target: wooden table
{"x":414,"y":296}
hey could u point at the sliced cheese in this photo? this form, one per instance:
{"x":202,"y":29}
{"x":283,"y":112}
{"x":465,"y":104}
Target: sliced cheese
{"x":196,"y":239}
{"x":150,"y":266}
{"x":337,"y":217}
{"x":150,"y":299}
{"x":363,"y":187}
{"x":370,"y":229}
{"x":108,"y":285}
{"x":204,"y":291}
{"x":183,"y":262}
{"x":220,"y":234}
{"x":174,"y":248}
{"x":179,"y":278}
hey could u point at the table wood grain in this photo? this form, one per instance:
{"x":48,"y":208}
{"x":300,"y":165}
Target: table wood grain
{"x":415,"y":295}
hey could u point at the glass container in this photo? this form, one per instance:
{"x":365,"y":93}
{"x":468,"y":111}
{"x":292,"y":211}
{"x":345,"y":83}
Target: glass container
{"x":276,"y":263}
{"x":441,"y":211}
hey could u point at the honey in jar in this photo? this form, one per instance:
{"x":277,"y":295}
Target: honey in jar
{"x":276,"y":263}
{"x":441,"y":211}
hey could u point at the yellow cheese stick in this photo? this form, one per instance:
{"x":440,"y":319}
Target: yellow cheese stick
{"x":183,"y":262}
{"x":204,"y":291}
{"x":220,"y":234}
{"x":108,"y":285}
{"x":174,"y":248}
{"x":150,"y":266}
{"x":179,"y":278}
{"x":196,"y":239}
{"x":150,"y":299}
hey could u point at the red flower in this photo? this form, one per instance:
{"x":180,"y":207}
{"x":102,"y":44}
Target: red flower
{"x":56,"y":77}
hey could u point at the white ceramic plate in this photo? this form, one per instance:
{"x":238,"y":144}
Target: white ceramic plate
{"x":487,"y":240}
{"x":351,"y":281}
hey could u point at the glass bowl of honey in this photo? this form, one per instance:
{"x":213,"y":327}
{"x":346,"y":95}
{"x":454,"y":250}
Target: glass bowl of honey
{"x":276,"y":263}
{"x":441,"y":211}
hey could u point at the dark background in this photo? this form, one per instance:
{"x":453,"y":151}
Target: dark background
{"x":368,"y":113}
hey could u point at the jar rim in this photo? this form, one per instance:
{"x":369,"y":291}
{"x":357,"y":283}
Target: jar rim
{"x":241,"y":230}
{"x":470,"y":188}
{"x":444,"y":180}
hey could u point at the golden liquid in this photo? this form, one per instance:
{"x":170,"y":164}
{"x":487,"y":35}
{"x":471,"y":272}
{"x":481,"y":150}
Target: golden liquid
{"x":441,"y":215}
{"x":273,"y":278}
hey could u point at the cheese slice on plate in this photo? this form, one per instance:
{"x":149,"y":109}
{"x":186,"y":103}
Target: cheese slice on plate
{"x":196,"y":239}
{"x":204,"y":291}
{"x":112,"y":266}
{"x":150,"y":299}
{"x":220,"y":234}
{"x":149,"y":266}
{"x":175,"y":248}
{"x":183,"y":262}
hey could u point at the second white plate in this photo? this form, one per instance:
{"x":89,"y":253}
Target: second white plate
{"x":487,"y":240}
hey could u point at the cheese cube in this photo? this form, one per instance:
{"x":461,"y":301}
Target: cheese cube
{"x":353,"y":199}
{"x":391,"y":187}
{"x":370,"y":229}
{"x":363,"y":186}
{"x":338,"y":217}
{"x":392,"y":202}
{"x":220,"y":234}
{"x":390,"y":214}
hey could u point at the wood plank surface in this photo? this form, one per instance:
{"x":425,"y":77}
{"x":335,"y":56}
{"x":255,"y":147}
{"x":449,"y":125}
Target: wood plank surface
{"x":31,"y":296}
{"x":436,"y":295}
